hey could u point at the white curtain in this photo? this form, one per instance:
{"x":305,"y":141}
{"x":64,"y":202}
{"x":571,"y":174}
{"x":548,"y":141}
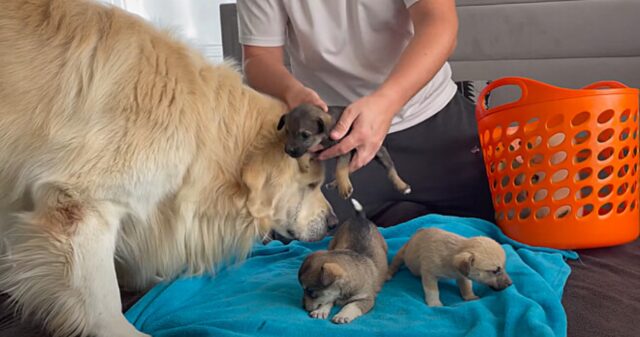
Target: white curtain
{"x":196,"y":21}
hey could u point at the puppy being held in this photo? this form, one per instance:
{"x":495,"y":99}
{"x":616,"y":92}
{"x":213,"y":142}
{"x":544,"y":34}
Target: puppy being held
{"x":350,"y":273}
{"x":433,"y":253}
{"x":307,"y":126}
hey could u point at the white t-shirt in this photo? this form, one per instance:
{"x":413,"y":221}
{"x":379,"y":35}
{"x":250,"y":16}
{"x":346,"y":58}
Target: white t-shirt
{"x":344,"y":49}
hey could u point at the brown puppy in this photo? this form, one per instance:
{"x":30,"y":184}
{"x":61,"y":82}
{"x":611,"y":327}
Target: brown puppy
{"x":350,"y":273}
{"x":308,"y":125}
{"x":433,"y":253}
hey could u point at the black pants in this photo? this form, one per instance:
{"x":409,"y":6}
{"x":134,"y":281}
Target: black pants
{"x":440,"y":158}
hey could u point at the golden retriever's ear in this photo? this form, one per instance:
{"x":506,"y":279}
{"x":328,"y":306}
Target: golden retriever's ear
{"x":262,"y":195}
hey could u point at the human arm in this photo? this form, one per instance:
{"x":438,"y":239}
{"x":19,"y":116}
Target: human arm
{"x":435,"y":25}
{"x":264,"y":64}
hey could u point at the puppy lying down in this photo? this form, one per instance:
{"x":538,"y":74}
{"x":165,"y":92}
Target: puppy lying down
{"x":350,"y":273}
{"x":433,"y":253}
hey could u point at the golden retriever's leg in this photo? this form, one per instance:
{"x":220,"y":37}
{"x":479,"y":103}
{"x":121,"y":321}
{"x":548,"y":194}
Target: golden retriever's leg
{"x":342,"y":176}
{"x":58,"y":265}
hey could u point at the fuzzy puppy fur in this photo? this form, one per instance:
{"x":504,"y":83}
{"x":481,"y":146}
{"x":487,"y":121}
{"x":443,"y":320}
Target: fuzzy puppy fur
{"x":433,"y":253}
{"x":350,"y":273}
{"x":307,"y":126}
{"x":126,"y":155}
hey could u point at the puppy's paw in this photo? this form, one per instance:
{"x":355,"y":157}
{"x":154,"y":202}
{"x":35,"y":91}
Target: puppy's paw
{"x":434,"y":303}
{"x":470,"y":297}
{"x":345,"y":191}
{"x":342,"y":319}
{"x":348,"y":313}
{"x":406,"y":190}
{"x":321,"y":313}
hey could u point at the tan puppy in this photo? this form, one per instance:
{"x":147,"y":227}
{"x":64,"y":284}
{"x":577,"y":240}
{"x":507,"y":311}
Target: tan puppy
{"x":350,"y":273}
{"x":434,"y":253}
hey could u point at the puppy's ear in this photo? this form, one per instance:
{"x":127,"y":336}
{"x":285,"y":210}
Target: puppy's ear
{"x":336,"y":110}
{"x":330,"y":272}
{"x":463,"y":262}
{"x":324,"y":121}
{"x":281,"y":122}
{"x":307,"y":264}
{"x":321,"y":126}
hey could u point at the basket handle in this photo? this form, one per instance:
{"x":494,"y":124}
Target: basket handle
{"x":530,"y":91}
{"x":606,"y":84}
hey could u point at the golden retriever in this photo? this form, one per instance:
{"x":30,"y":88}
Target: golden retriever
{"x":121,"y":149}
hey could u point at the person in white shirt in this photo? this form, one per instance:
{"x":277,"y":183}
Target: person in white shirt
{"x":386,"y":60}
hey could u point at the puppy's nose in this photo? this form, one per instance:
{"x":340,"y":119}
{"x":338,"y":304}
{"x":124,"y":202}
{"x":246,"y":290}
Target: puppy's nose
{"x":293,"y":151}
{"x":332,"y":221}
{"x":503,"y":284}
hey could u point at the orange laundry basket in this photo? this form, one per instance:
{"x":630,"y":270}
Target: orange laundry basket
{"x":562,"y":163}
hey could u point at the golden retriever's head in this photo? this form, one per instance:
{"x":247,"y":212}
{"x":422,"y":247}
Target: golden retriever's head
{"x":285,"y":196}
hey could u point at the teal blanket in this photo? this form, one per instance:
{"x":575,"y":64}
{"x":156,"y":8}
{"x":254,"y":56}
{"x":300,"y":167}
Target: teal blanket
{"x":262,"y":297}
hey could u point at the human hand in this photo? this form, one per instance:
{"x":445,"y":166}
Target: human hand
{"x":301,"y":95}
{"x":370,"y":118}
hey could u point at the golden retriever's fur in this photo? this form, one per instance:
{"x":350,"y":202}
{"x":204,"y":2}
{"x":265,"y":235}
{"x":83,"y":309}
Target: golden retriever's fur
{"x":117,"y":142}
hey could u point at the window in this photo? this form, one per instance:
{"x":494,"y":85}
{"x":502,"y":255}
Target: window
{"x":196,"y":21}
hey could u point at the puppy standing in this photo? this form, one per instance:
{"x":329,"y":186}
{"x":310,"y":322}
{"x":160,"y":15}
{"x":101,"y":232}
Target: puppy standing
{"x":434,"y":253}
{"x":308,"y":125}
{"x":350,"y":273}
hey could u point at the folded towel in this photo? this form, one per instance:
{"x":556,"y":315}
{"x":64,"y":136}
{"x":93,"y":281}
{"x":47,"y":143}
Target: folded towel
{"x":262,"y":296}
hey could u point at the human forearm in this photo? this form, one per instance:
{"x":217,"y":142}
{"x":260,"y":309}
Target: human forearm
{"x":436,"y":26}
{"x":265,"y":72}
{"x":262,"y":65}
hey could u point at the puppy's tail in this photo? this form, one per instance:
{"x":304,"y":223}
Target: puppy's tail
{"x":397,"y":262}
{"x":358,"y":208}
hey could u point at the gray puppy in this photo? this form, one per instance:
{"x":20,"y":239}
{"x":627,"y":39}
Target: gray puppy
{"x":433,"y":253}
{"x":350,"y":273}
{"x":307,"y":126}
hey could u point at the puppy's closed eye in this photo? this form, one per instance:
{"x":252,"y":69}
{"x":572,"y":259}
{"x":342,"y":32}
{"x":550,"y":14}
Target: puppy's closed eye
{"x":311,"y":293}
{"x":305,"y":134}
